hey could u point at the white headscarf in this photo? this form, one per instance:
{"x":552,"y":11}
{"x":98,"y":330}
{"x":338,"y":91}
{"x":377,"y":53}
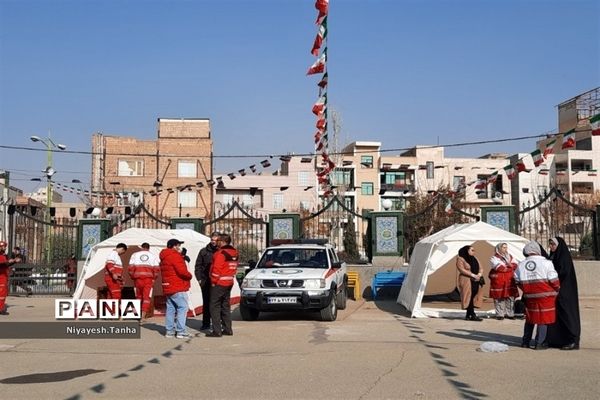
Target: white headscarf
{"x":532,"y":248}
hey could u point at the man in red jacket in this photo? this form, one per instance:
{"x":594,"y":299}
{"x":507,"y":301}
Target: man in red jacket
{"x":113,"y":272}
{"x":175,"y":284}
{"x":222,"y":275}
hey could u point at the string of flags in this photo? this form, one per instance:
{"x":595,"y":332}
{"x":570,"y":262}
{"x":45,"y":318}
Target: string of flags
{"x":321,"y":137}
{"x":540,"y":155}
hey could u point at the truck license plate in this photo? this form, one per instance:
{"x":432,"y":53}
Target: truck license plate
{"x":277,"y":300}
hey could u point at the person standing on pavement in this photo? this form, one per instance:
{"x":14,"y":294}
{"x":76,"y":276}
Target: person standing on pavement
{"x":503,"y":288}
{"x":222,"y":275}
{"x":469,"y":277}
{"x":566,"y":331}
{"x":539,"y":282}
{"x":175,"y":284}
{"x":113,"y":272}
{"x":21,"y":274}
{"x":5,"y":264}
{"x":144,"y":268}
{"x":202,"y":272}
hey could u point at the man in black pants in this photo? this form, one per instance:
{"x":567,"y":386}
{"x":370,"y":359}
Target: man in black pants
{"x":222,"y":275}
{"x":202,"y":271}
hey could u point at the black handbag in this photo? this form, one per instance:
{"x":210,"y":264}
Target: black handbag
{"x":482,"y":281}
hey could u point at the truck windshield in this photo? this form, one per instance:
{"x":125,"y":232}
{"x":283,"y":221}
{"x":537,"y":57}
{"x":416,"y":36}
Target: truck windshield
{"x":290,"y":257}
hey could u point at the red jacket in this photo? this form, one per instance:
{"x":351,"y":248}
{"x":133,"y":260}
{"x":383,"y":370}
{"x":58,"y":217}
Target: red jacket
{"x":502,"y":281}
{"x":175,"y":275}
{"x":224,"y":266}
{"x":4,"y":265}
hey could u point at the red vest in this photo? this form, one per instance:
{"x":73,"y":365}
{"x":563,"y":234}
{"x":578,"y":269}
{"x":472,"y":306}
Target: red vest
{"x":224,"y":266}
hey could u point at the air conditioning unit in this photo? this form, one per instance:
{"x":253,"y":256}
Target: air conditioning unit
{"x":497,"y":198}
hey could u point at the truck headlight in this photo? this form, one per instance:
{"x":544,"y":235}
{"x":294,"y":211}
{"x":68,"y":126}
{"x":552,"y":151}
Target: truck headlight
{"x":251,"y":283}
{"x":314,"y":283}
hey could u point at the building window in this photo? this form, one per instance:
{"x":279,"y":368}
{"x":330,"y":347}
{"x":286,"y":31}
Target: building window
{"x":247,"y":200}
{"x":304,"y":178}
{"x":186,"y":169}
{"x":366,"y":161}
{"x":458,"y":183}
{"x":430,"y":167}
{"x":186,"y":199}
{"x":131,"y":168}
{"x":482,"y":193}
{"x":366,"y":188}
{"x":342,"y":177}
{"x":278,"y":201}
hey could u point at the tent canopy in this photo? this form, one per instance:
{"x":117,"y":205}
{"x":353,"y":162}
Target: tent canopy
{"x":432,"y":267}
{"x":92,"y":275}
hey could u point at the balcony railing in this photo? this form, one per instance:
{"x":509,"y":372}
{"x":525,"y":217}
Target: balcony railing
{"x":398,"y":187}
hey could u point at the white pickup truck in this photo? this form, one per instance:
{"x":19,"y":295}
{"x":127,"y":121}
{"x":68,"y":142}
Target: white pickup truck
{"x":295,"y":277}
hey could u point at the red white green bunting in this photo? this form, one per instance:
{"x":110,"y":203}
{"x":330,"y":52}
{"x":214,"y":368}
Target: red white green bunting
{"x":510,"y":171}
{"x":321,"y":35}
{"x":549,"y":149}
{"x":569,"y":139}
{"x":595,"y":125}
{"x":537,"y":158}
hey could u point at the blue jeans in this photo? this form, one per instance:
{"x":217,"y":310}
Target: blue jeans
{"x":176,"y":304}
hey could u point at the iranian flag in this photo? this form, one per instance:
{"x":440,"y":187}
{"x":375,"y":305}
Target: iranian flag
{"x":569,"y":139}
{"x":592,"y":172}
{"x":319,"y":65}
{"x":510,"y":171}
{"x":595,"y":123}
{"x":320,"y":105}
{"x":521,"y":166}
{"x":549,"y":149}
{"x":480,"y":184}
{"x":493,"y":177}
{"x":321,"y":123}
{"x":323,"y":7}
{"x":321,"y":35}
{"x":537,"y":158}
{"x":448,"y":208}
{"x":323,"y":81}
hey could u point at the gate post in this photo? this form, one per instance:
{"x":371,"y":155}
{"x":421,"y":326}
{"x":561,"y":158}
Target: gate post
{"x":502,"y":217}
{"x":195,"y":224}
{"x":90,"y":232}
{"x":387,"y":238}
{"x":596,"y":234}
{"x":284,"y":226}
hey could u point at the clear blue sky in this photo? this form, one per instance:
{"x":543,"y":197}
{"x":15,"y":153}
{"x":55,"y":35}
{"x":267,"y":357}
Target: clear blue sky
{"x":400,"y":72}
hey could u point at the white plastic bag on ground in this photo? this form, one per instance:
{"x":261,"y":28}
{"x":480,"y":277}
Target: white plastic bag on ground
{"x":493,"y":347}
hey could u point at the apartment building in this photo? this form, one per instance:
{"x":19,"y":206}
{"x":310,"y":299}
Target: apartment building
{"x":367,"y":176}
{"x":171,"y":175}
{"x":575,"y":170}
{"x":292,"y":188}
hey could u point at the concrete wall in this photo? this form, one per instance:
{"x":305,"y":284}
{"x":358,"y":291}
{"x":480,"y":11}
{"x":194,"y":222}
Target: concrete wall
{"x":588,"y":278}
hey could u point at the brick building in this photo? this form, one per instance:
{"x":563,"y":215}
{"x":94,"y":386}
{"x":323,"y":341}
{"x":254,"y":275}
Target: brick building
{"x":170,"y":174}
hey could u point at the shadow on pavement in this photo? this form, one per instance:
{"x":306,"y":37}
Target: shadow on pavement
{"x":481,"y":336}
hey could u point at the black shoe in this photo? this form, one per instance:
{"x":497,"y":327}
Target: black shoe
{"x":213,"y":334}
{"x":541,"y":346}
{"x":510,"y":317}
{"x":473,"y":318}
{"x":4,"y":313}
{"x":525,"y":344}
{"x":228,"y":333}
{"x":570,"y":346}
{"x":500,"y":318}
{"x":205,"y":328}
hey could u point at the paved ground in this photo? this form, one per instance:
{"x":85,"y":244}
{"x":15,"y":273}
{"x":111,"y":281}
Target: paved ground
{"x":372,"y":351}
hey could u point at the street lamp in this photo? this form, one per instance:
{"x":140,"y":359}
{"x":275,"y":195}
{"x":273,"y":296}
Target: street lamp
{"x":49,"y":171}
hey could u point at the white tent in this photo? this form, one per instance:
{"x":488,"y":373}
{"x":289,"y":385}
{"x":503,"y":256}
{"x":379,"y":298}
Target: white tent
{"x":432,"y":268}
{"x":92,"y":275}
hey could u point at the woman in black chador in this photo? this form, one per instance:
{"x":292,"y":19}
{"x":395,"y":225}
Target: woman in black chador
{"x":565,"y":332}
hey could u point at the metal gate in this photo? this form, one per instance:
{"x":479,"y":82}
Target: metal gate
{"x":139,"y":218}
{"x":248,"y":230}
{"x":46,"y":247}
{"x":439,"y":214}
{"x":342,"y":227}
{"x":555,"y":215}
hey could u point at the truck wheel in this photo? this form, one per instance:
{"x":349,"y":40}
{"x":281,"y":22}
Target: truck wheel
{"x":248,"y":314}
{"x":341,"y":298}
{"x":329,"y":313}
